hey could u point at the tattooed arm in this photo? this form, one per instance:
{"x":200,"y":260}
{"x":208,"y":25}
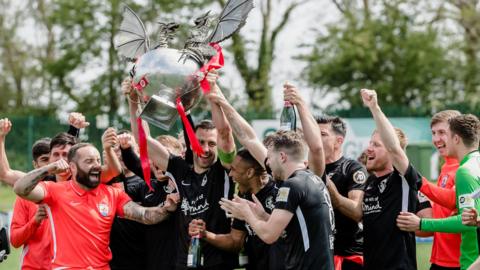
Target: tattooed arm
{"x":241,"y":128}
{"x":26,"y":187}
{"x":150,"y":215}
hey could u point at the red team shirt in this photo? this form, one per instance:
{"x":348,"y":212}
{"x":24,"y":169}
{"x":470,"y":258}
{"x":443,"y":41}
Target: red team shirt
{"x":446,"y":246}
{"x":35,"y":238}
{"x":81,"y":222}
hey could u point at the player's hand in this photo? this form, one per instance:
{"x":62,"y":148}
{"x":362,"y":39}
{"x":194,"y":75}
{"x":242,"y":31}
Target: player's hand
{"x":369,"y":98}
{"x":212,"y":77}
{"x":125,"y":140}
{"x":197,"y":227}
{"x":470,"y":217}
{"x":41,"y":213}
{"x":77,"y":120}
{"x":109,"y":138}
{"x":291,"y":94}
{"x":5,"y":127}
{"x":409,"y":222}
{"x":58,"y":167}
{"x":171,"y":202}
{"x":257,"y":208}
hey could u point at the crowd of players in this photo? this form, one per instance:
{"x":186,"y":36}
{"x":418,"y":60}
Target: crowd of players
{"x":291,"y":201}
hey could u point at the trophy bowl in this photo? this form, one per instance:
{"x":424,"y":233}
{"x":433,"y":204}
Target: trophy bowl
{"x":170,"y":77}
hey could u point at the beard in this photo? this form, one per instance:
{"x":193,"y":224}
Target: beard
{"x":90,"y":179}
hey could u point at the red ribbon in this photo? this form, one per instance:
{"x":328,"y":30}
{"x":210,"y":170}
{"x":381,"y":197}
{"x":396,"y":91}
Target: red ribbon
{"x":338,"y":260}
{"x":215,"y":62}
{"x":142,"y":139}
{"x":196,"y":147}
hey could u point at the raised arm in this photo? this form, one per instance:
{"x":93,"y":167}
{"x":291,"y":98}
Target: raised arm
{"x":225,"y":140}
{"x":26,"y":187}
{"x":113,"y":167}
{"x":386,"y":131}
{"x":77,"y":121}
{"x":242,"y":130}
{"x":156,"y":151}
{"x":7,"y":175}
{"x":150,"y":215}
{"x":311,"y":132}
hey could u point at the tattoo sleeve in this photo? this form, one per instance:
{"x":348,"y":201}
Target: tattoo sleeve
{"x":145,"y":215}
{"x":26,"y":184}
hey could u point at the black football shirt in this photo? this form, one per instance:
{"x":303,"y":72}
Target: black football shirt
{"x":385,"y":245}
{"x":347,"y":175}
{"x":309,"y":235}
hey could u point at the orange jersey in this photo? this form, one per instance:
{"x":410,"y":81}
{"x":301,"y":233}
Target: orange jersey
{"x":446,"y":246}
{"x":35,"y":238}
{"x":81,"y":222}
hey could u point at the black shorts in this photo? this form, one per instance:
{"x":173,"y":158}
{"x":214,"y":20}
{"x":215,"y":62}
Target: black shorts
{"x":438,"y":267}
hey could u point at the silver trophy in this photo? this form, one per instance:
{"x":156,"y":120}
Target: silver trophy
{"x":165,"y":75}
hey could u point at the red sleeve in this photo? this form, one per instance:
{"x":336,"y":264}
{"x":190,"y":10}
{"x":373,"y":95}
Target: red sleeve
{"x":443,"y":196}
{"x":48,"y":191}
{"x":23,"y":226}
{"x":122,"y":199}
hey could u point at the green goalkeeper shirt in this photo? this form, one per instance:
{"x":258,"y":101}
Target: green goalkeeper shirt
{"x":467,"y":180}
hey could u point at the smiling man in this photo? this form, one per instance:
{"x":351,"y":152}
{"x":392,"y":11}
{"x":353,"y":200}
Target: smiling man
{"x":81,"y":211}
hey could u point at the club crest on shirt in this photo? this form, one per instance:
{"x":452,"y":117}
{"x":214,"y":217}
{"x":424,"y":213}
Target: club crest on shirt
{"x":466,"y":201}
{"x":269,"y":203}
{"x":443,"y":181}
{"x":382,"y":185}
{"x":103,"y":209}
{"x":168,"y":189}
{"x":282,"y":195}
{"x":359,"y":177}
{"x":204,"y":180}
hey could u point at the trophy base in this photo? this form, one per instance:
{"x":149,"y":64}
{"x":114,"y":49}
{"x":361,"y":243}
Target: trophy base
{"x":160,"y":112}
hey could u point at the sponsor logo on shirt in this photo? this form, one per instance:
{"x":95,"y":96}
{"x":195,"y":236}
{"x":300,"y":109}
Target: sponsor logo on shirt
{"x":371,"y":205}
{"x":359,"y":177}
{"x":103,"y":209}
{"x":185,"y":184}
{"x":466,"y":201}
{"x":282,"y":195}
{"x":194,"y":207}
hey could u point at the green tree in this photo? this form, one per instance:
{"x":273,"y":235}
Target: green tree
{"x":386,"y":51}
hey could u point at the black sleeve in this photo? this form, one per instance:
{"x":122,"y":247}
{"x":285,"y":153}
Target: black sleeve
{"x":134,"y":187}
{"x":132,"y":162}
{"x":177,"y":167}
{"x":289,"y":197}
{"x":73,"y":131}
{"x":188,"y":151}
{"x":357,"y":176}
{"x":413,"y":177}
{"x":423,"y":202}
{"x":239,"y":225}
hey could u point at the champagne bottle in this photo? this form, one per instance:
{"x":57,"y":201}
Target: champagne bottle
{"x":194,"y":258}
{"x":288,"y":118}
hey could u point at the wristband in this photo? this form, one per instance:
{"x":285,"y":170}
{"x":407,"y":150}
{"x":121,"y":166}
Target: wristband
{"x":227,"y":158}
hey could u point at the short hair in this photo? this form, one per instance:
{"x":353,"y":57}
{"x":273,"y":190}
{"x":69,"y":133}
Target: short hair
{"x":171,"y":143}
{"x":467,"y":127}
{"x":337,"y":124}
{"x":251,"y":161}
{"x":72,"y":153}
{"x":62,"y":139}
{"x":205,"y":124}
{"x":41,"y":147}
{"x":443,"y":116}
{"x":289,"y":141}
